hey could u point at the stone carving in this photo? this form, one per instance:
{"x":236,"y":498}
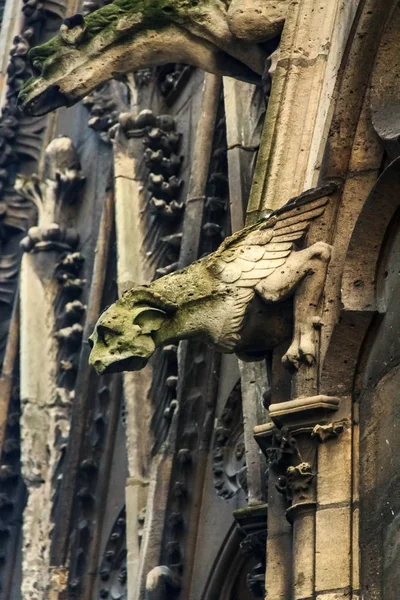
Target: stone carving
{"x":171,"y":78}
{"x":143,"y":77}
{"x":60,"y":188}
{"x":197,"y":400}
{"x":108,"y":42}
{"x":9,"y":267}
{"x":21,"y":137}
{"x":252,"y":524}
{"x":281,"y":449}
{"x":296,"y":481}
{"x":113,"y":571}
{"x":13,"y":491}
{"x":113,"y":566}
{"x":229,"y":461}
{"x":328,"y":432}
{"x":160,"y":582}
{"x":104,"y":105}
{"x":256,"y":581}
{"x":36,"y":9}
{"x":220,"y":298}
{"x":215,"y":214}
{"x":20,"y":149}
{"x":163,"y":209}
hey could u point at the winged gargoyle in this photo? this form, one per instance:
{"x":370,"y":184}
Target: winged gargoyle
{"x":238,"y":298}
{"x":219,"y":36}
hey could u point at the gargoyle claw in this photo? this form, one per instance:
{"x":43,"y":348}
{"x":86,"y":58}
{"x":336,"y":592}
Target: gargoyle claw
{"x":294,"y":360}
{"x":291,"y":361}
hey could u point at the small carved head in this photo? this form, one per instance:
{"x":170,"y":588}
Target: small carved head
{"x":123,"y":337}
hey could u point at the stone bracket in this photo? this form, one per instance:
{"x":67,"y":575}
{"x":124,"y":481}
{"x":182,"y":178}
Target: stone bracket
{"x":303,"y":413}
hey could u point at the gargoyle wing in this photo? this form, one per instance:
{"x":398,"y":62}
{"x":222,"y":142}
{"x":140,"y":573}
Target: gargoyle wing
{"x":257,"y":251}
{"x":254,"y":253}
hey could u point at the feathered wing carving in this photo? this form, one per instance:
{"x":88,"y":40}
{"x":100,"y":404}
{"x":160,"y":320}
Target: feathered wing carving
{"x":254,"y":253}
{"x":209,"y":298}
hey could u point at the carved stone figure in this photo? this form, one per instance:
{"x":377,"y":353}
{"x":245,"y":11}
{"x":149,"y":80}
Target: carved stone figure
{"x":216,"y":35}
{"x":237,"y":298}
{"x":59,"y":189}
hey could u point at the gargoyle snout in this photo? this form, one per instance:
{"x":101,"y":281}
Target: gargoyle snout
{"x":123,"y":339}
{"x":38,"y":99}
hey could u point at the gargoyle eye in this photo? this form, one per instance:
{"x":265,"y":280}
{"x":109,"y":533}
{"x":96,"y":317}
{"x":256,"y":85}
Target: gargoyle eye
{"x":73,"y":30}
{"x":105,"y":334}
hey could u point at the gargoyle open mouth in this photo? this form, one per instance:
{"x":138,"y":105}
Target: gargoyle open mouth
{"x":40,"y":103}
{"x":134,"y":363}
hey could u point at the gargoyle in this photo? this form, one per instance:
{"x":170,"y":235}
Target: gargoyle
{"x":219,"y":36}
{"x":239,"y":298}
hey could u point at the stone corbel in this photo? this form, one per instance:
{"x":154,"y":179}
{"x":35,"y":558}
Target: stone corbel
{"x":302,"y":414}
{"x":278,"y":440}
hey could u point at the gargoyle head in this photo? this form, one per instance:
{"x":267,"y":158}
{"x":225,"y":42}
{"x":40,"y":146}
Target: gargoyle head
{"x":124,"y":335}
{"x":122,"y":339}
{"x":125,"y":36}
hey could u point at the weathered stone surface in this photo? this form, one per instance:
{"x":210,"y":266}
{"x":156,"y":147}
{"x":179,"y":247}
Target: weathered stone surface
{"x":257,"y":20}
{"x":120,"y":38}
{"x":196,"y":301}
{"x":318,"y":123}
{"x":332,"y":531}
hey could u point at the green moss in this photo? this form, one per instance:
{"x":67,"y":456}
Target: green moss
{"x":46,"y":50}
{"x":157,"y":12}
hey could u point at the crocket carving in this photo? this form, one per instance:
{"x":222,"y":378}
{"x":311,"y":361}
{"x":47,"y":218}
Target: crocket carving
{"x":241,"y":298}
{"x":220,"y":36}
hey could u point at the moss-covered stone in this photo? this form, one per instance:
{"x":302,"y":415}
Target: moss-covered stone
{"x":154,"y":13}
{"x":159,"y":12}
{"x":127,"y":35}
{"x":221,"y":299}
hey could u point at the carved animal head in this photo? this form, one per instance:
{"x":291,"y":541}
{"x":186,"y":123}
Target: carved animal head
{"x":122,"y":339}
{"x":128,"y":35}
{"x":124,"y":335}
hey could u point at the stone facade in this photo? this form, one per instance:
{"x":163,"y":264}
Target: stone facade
{"x":229,"y":198}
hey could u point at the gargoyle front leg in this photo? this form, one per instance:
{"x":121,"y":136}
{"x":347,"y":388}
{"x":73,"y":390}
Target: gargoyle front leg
{"x":306,"y":299}
{"x":160,"y":582}
{"x":304,"y":273}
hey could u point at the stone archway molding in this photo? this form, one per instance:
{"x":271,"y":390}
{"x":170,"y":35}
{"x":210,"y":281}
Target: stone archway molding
{"x":360,"y":267}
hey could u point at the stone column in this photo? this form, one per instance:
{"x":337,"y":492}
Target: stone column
{"x":131,"y":268}
{"x":302,"y":98}
{"x":148,"y":485}
{"x":49,"y":324}
{"x":295,"y":142}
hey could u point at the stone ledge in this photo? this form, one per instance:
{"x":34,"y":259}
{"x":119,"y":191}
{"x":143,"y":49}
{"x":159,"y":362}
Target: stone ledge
{"x":303,"y":412}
